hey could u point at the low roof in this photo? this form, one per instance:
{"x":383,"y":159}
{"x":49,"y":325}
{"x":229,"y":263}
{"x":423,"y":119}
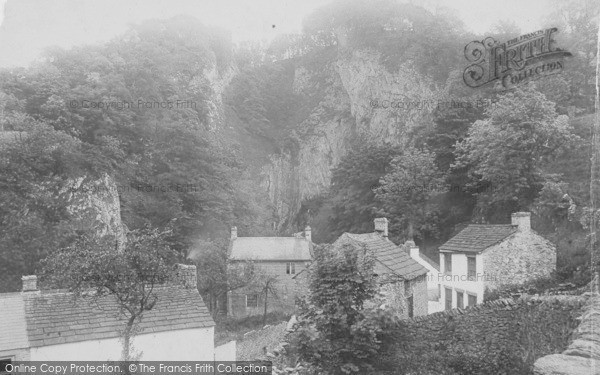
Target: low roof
{"x":270,"y":249}
{"x":433,"y":263}
{"x":478,"y":237}
{"x":54,"y":317}
{"x":389,"y":257}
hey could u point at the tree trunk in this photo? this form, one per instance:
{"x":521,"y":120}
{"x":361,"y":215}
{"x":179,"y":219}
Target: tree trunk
{"x":265,"y":310}
{"x":410,"y":231}
{"x":127,"y":339}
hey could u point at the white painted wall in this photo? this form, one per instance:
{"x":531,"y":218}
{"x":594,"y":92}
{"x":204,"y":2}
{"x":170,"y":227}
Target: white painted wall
{"x":226,"y":352}
{"x":178,"y":345}
{"x":458,"y":279}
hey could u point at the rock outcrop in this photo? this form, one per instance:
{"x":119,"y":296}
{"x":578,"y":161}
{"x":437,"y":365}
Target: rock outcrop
{"x":582,"y":357}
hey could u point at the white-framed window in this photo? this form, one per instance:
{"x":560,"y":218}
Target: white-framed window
{"x":290,"y":268}
{"x":471,"y":268}
{"x":471,"y":299}
{"x":252,"y":300}
{"x":448,"y":263}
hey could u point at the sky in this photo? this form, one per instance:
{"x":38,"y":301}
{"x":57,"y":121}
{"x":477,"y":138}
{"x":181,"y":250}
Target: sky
{"x":27,"y":27}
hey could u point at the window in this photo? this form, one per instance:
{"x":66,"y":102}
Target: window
{"x":448,"y":298}
{"x":290,"y":268}
{"x":459,"y":299}
{"x":472,"y":300}
{"x":410,"y":305}
{"x":252,"y":300}
{"x":471,"y":268}
{"x":3,"y":363}
{"x":448,"y":263}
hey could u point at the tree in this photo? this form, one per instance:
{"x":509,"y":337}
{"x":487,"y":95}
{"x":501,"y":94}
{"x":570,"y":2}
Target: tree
{"x":93,"y":266}
{"x":506,"y":152}
{"x":337,"y":334}
{"x":353,"y":182}
{"x":405,"y":190}
{"x":216,"y":276}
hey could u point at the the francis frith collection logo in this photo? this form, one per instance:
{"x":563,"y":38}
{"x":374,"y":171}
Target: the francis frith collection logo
{"x":525,"y":58}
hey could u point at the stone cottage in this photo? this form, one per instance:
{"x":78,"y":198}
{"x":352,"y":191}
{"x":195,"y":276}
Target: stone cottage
{"x":484,"y":257}
{"x":51,"y":325}
{"x":403,"y":281}
{"x":277,"y":258}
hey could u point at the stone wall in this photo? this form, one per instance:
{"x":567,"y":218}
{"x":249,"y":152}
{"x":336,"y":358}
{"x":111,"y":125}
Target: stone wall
{"x":582,"y":357}
{"x":528,"y":328}
{"x":522,"y":257}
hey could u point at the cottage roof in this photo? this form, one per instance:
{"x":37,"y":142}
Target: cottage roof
{"x":54,"y":317}
{"x":270,"y":249}
{"x":389,"y":257}
{"x":433,"y":263}
{"x":478,"y":237}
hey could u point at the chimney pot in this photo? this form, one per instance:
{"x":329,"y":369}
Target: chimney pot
{"x":381,"y":226}
{"x":307,"y":233}
{"x":29,"y":283}
{"x":233,"y":233}
{"x":522,"y":220}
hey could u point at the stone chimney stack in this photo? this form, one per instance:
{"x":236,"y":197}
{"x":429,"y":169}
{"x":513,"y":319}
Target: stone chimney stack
{"x":307,"y":233}
{"x":29,"y":283}
{"x":185,"y":275}
{"x":381,"y":226}
{"x":233,"y":233}
{"x":414,"y":249}
{"x":522,"y":220}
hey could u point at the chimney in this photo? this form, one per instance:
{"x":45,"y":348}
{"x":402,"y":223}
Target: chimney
{"x":414,"y":249}
{"x":381,"y":226}
{"x":522,"y":220}
{"x":307,"y":233}
{"x":233,"y":233}
{"x":29,"y":283}
{"x":185,"y":274}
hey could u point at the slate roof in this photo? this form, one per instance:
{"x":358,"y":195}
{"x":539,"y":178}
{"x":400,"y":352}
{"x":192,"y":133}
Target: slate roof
{"x":478,"y":237}
{"x":389,"y":257}
{"x":54,"y":317}
{"x":270,"y":249}
{"x":435,"y":264}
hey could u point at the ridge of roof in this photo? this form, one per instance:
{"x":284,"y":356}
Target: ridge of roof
{"x":388,"y":254}
{"x":475,"y":238}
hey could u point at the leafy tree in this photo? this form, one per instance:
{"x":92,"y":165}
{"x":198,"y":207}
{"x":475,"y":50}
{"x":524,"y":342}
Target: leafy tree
{"x":130,"y":276}
{"x":353,"y":182}
{"x":215,"y":276}
{"x":506,"y":152}
{"x":337,"y":335}
{"x":405,"y":191}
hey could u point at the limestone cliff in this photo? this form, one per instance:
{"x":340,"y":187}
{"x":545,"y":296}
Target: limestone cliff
{"x":358,"y":94}
{"x":94,"y":205}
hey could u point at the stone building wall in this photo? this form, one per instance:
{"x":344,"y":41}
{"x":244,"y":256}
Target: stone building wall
{"x":522,"y":257}
{"x":395,"y":294}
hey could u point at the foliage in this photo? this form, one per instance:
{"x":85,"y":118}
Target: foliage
{"x":404,"y":192}
{"x":337,"y":333}
{"x":508,"y":150}
{"x":352,"y":197}
{"x":93,"y":266}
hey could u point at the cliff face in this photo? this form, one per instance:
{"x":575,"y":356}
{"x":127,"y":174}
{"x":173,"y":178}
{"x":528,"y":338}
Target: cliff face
{"x":356,"y":88}
{"x":95,"y":205}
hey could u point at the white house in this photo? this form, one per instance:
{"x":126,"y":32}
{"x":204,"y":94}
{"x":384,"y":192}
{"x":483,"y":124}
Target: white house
{"x":52,"y":325}
{"x":484,"y":257}
{"x":433,"y":271}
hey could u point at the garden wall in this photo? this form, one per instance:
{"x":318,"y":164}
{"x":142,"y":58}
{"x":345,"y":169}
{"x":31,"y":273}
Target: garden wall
{"x":488,"y":336}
